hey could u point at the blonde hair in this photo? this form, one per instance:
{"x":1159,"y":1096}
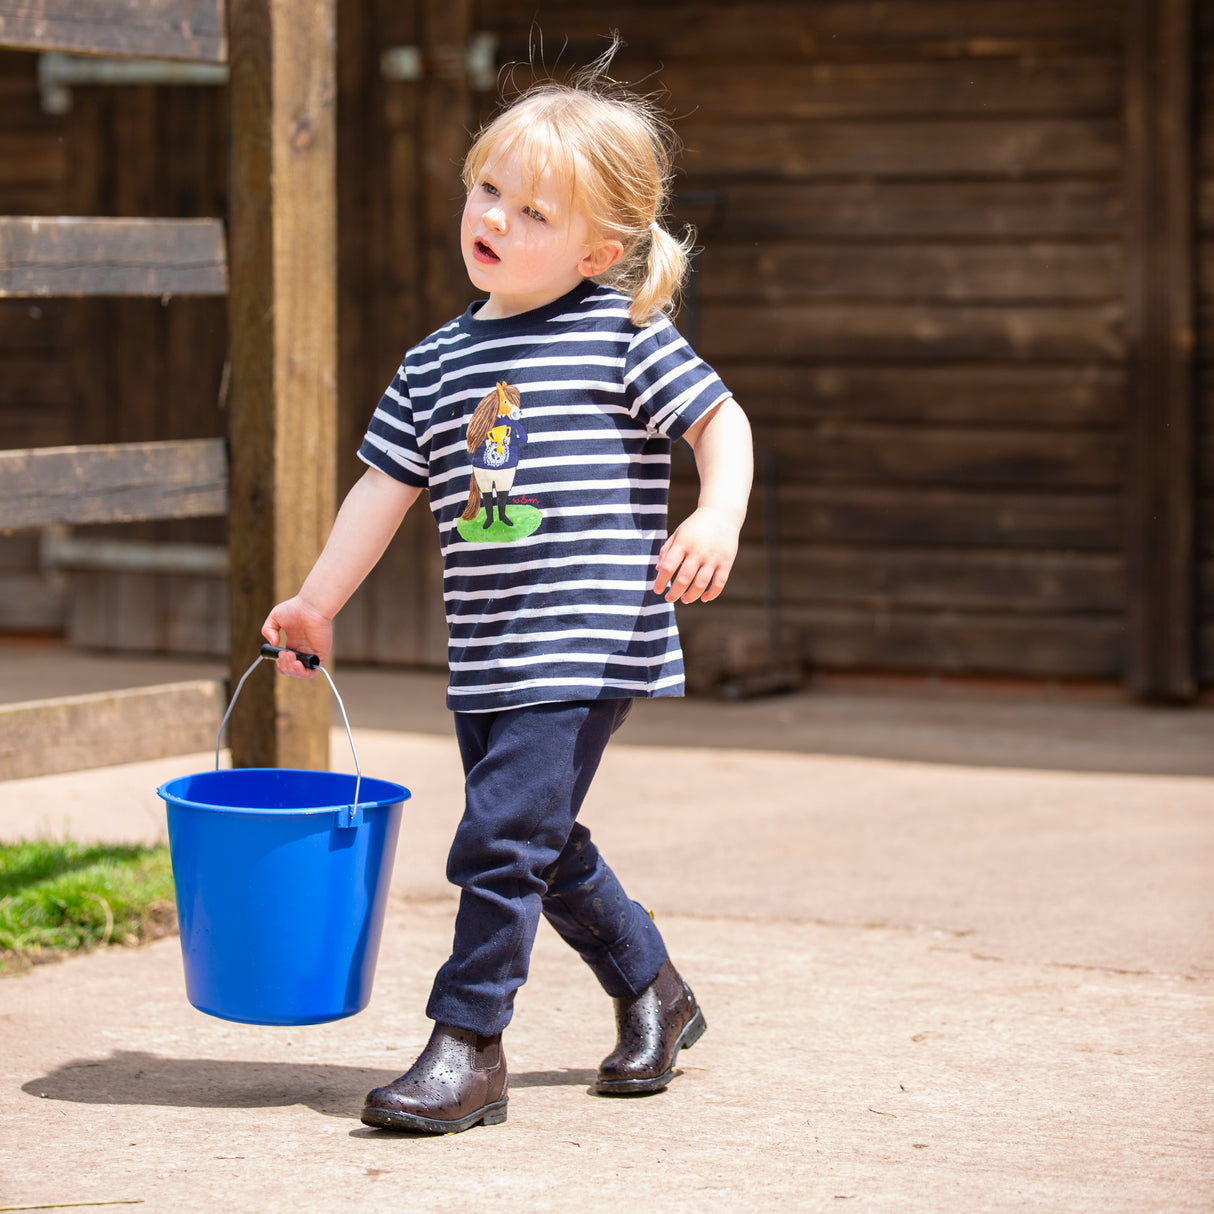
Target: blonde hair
{"x":616,"y":152}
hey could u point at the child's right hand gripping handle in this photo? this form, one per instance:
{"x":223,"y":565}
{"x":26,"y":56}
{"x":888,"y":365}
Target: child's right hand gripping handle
{"x":310,"y":660}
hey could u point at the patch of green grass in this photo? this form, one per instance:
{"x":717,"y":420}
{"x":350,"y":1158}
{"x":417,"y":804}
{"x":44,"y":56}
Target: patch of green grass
{"x":58,"y":897}
{"x":524,"y":520}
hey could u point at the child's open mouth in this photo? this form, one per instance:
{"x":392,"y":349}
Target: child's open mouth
{"x":482,"y":252}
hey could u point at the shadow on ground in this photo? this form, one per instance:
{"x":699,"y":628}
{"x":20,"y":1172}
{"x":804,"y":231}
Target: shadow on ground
{"x":135,"y":1077}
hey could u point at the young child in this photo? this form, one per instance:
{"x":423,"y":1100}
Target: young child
{"x":540,"y":423}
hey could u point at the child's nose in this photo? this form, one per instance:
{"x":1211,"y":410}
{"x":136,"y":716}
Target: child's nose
{"x":495,"y":217}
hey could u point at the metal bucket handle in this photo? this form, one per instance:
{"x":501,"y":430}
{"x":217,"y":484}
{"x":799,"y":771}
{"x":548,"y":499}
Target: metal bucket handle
{"x":347,"y":815}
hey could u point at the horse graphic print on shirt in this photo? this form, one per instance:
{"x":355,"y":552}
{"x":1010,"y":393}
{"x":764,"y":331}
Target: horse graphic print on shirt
{"x":494,"y":437}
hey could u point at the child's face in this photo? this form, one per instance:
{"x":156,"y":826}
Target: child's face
{"x":523,"y":242}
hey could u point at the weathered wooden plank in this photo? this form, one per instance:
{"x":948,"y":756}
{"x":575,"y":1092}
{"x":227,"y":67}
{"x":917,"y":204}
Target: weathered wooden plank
{"x":31,"y":158}
{"x":903,"y":209}
{"x":145,"y":257}
{"x":118,"y":483}
{"x":33,"y":198}
{"x":828,"y":89}
{"x":32,"y":384}
{"x":944,"y":642}
{"x":154,"y":29}
{"x":922,"y":642}
{"x":1161,"y":660}
{"x":284,"y":349}
{"x":824,"y":30}
{"x":961,"y":519}
{"x":45,"y":428}
{"x":1013,"y":394}
{"x":28,"y":330}
{"x":142,"y":612}
{"x":782,"y":271}
{"x":893,"y":148}
{"x":30,"y":602}
{"x":59,"y":550}
{"x":905,"y":333}
{"x":871,"y":454}
{"x":41,"y":738}
{"x":912,"y":579}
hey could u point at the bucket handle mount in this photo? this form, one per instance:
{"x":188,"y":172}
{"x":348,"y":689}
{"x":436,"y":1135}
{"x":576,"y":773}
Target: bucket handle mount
{"x":347,"y":815}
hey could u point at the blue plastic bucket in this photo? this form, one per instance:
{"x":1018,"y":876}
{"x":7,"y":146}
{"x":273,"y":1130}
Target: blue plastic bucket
{"x":282,"y":879}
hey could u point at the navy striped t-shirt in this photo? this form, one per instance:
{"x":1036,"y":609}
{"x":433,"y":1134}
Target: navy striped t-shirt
{"x":544,"y":442}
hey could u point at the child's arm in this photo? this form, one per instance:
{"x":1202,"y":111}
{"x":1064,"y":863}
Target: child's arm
{"x":695,"y":561}
{"x":366,"y":522}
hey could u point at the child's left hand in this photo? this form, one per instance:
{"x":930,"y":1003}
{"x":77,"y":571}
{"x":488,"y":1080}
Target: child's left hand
{"x":695,"y":561}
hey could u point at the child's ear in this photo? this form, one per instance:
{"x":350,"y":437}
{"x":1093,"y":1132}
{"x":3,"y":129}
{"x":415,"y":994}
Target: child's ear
{"x":602,"y":256}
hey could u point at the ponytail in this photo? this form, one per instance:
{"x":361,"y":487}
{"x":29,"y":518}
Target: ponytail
{"x":654,"y":277}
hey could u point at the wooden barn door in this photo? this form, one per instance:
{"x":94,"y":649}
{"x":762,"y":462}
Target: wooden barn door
{"x":947,"y":269}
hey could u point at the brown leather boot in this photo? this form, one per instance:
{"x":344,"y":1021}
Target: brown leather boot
{"x":458,"y":1081}
{"x":653,"y":1026}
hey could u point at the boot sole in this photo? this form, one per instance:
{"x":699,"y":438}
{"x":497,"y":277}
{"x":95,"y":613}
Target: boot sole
{"x":391,"y":1119}
{"x":693,"y":1031}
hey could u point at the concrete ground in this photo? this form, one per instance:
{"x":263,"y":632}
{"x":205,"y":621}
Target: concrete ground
{"x":955,"y":949}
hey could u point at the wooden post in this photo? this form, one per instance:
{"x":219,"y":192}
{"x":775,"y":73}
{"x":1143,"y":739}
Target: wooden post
{"x":283,"y":421}
{"x":1160,"y":433}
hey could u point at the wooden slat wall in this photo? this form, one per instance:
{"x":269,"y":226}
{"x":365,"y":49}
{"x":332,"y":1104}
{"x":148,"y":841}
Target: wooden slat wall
{"x":72,"y":256}
{"x":113,"y":483}
{"x":912,"y":277}
{"x":157,"y":29}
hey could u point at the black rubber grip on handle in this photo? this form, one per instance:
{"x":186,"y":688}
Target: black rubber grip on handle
{"x":310,"y":660}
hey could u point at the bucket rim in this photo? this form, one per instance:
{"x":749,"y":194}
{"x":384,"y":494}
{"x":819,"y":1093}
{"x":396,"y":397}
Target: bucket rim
{"x":166,"y":792}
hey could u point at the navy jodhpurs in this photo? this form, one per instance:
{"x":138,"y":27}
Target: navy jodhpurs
{"x":519,"y":851}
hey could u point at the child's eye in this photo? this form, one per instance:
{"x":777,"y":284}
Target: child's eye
{"x":489,"y":188}
{"x":532,"y":213}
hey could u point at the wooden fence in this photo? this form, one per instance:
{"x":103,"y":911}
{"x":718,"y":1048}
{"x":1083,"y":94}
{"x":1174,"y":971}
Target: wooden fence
{"x":271,"y":473}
